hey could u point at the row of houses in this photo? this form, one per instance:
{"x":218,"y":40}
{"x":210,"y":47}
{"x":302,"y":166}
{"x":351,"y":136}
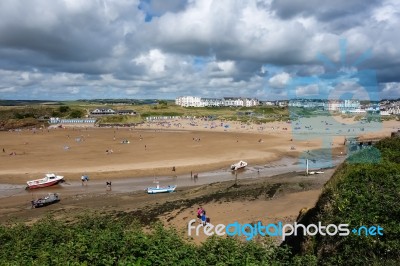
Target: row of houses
{"x":108,"y":111}
{"x":392,"y":107}
{"x":193,"y":101}
{"x":333,"y":105}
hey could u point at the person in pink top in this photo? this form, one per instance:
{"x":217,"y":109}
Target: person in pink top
{"x":200,"y":211}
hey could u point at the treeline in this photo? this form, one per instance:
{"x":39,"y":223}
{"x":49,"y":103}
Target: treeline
{"x":34,"y":116}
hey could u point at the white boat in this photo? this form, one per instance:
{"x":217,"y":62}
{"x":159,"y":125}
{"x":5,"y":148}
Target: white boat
{"x":46,"y":181}
{"x":315,"y":172}
{"x":239,"y":165}
{"x":158,"y":189}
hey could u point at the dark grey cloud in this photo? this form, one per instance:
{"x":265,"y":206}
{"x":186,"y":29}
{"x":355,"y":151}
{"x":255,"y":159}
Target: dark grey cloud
{"x":323,"y":10}
{"x":206,"y":47}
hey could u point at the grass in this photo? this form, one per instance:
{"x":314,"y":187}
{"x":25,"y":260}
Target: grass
{"x":120,"y":119}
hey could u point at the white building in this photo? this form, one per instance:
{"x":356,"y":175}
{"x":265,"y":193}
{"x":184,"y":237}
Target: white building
{"x":394,"y":110}
{"x":384,"y":113}
{"x":269,"y":103}
{"x":233,"y":101}
{"x":192,"y":101}
{"x":350,"y":105}
{"x":189,"y":101}
{"x":344,"y":106}
{"x":212,"y":102}
{"x":102,"y":111}
{"x":249,"y":102}
{"x":332,"y":105}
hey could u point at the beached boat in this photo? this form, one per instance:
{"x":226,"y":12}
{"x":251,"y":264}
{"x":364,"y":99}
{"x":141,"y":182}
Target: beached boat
{"x":239,"y":165}
{"x":47,"y":200}
{"x":315,"y":172}
{"x":158,"y":189}
{"x":46,"y":181}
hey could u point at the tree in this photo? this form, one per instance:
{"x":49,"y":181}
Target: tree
{"x":76,"y":114}
{"x":64,"y":109}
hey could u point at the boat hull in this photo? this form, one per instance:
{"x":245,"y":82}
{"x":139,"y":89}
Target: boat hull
{"x":47,"y":184}
{"x":48,"y":200}
{"x":49,"y":179}
{"x":155,"y":190}
{"x":238,"y":166}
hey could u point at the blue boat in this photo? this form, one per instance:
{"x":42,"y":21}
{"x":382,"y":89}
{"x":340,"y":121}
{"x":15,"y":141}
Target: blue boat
{"x":158,"y":189}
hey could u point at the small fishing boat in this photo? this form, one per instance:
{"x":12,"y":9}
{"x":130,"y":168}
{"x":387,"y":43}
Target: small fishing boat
{"x":239,"y":165}
{"x":46,"y":181}
{"x":158,"y":189}
{"x":47,"y":200}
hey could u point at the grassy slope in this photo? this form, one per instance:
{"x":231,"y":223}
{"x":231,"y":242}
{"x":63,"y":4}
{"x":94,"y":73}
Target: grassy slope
{"x":359,"y":194}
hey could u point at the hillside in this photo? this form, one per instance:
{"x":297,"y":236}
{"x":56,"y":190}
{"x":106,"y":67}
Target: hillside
{"x":364,"y":191}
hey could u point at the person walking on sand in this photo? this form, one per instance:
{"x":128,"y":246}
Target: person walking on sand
{"x":4,"y":150}
{"x":85,"y":179}
{"x":108,"y":185}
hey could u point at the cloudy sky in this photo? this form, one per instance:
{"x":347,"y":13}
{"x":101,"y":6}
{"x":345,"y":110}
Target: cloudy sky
{"x":269,"y":49}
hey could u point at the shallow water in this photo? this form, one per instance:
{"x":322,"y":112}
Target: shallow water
{"x":74,"y":187}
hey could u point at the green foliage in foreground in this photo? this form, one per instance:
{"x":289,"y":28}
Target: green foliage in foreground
{"x":106,"y":241}
{"x":361,"y":192}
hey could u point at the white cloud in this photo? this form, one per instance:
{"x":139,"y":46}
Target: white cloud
{"x":154,"y":61}
{"x":309,"y":90}
{"x":279,"y":81}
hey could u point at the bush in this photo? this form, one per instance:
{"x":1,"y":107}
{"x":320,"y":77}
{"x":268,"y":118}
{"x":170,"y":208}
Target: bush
{"x":105,"y":241}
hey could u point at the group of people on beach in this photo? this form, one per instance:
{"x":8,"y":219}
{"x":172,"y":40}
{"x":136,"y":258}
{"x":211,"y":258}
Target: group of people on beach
{"x":201,"y":215}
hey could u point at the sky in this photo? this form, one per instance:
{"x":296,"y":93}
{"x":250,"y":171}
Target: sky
{"x":158,"y":49}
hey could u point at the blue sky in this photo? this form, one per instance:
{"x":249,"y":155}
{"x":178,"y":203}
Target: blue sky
{"x":65,"y":50}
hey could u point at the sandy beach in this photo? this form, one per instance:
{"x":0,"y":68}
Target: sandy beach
{"x":153,"y":150}
{"x":72,"y":152}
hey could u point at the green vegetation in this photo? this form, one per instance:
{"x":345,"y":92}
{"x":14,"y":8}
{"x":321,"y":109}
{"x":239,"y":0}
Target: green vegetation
{"x":365,"y":190}
{"x":76,"y":114}
{"x":120,"y":119}
{"x":106,"y":241}
{"x":64,"y":108}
